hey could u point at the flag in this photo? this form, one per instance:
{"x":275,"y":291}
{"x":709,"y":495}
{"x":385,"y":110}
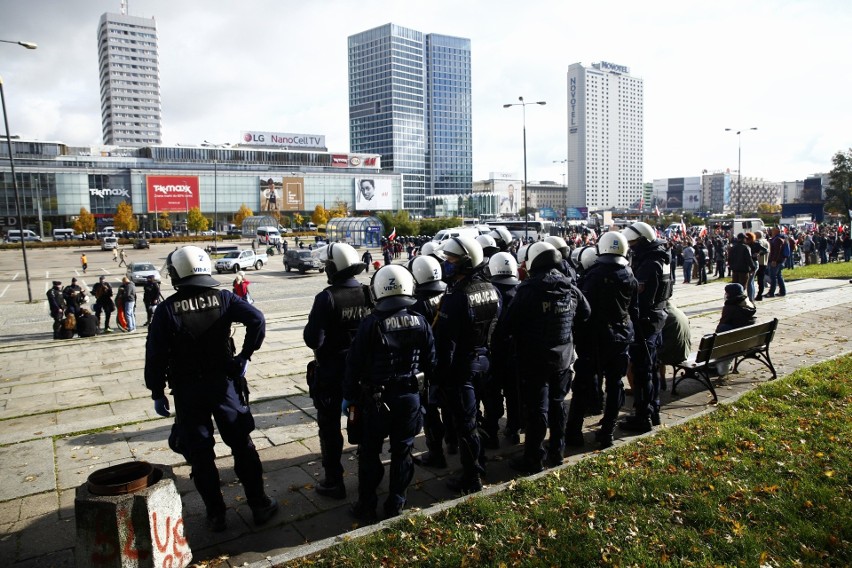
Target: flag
{"x":392,"y":236}
{"x":683,"y":227}
{"x":641,"y":203}
{"x":656,"y":210}
{"x":703,"y":233}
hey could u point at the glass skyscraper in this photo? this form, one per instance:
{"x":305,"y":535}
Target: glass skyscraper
{"x":410,"y":101}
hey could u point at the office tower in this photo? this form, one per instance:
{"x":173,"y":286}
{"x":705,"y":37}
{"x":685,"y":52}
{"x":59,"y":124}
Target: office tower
{"x":605,"y":129}
{"x":130,"y":80}
{"x":410,"y":101}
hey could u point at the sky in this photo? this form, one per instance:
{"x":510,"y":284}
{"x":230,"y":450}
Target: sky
{"x":782,"y":66}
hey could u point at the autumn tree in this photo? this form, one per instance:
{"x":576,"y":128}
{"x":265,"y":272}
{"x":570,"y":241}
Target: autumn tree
{"x":320,"y":215}
{"x":838,"y":197}
{"x":195,"y":221}
{"x":124,"y":219}
{"x":400,"y":221}
{"x":298,"y":219}
{"x":242,"y":214}
{"x":341,"y":209}
{"x":164,"y":222}
{"x":85,"y":223}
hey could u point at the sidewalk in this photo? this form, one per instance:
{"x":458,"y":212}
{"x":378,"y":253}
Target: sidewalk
{"x":69,"y":408}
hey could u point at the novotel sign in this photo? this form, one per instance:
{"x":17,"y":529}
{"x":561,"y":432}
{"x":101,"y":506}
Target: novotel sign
{"x":607,"y":66}
{"x":282,"y":140}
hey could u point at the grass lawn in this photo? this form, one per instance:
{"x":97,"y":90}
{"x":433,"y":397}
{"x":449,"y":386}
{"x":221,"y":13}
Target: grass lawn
{"x":830,"y":270}
{"x":766,"y":481}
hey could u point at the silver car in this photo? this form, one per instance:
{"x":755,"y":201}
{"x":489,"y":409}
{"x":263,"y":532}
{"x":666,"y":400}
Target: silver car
{"x":138,"y":272}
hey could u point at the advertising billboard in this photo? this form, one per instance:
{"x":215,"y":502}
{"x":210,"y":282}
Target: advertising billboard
{"x":172,"y":193}
{"x":373,"y":194}
{"x":282,"y":139}
{"x":510,"y":196}
{"x":294,"y":194}
{"x":270,"y":195}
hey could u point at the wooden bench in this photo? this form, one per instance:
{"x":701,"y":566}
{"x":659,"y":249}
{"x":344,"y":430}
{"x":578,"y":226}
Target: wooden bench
{"x":736,"y":345}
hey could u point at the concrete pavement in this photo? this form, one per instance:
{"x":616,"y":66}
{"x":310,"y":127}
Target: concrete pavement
{"x":68,"y":408}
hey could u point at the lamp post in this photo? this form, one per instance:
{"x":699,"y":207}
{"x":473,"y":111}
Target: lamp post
{"x":739,"y":167}
{"x":27,"y":45}
{"x":215,"y":190}
{"x":565,"y":173}
{"x":523,"y":106}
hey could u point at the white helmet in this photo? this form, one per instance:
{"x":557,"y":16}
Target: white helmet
{"x":427,"y":274}
{"x":559,"y":244}
{"x":190,"y":266}
{"x":489,"y":245}
{"x":542,"y":256}
{"x":639,"y":230}
{"x":584,"y":257}
{"x":502,"y":236}
{"x":613,"y":243}
{"x":428,"y":248}
{"x":341,"y":262}
{"x":522,"y":253}
{"x":503,"y":268}
{"x":467,"y":250}
{"x":392,"y":287}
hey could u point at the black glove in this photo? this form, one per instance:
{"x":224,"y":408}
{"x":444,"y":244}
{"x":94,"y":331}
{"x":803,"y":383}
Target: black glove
{"x":161,"y":406}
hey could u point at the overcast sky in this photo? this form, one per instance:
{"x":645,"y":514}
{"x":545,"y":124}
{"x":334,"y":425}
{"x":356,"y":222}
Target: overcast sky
{"x":782,"y":66}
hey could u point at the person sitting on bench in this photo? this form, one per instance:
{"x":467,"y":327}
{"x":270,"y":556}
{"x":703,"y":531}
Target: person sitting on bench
{"x":738,"y":312}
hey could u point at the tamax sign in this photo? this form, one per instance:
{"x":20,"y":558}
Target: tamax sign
{"x":282,"y":140}
{"x":172,"y":193}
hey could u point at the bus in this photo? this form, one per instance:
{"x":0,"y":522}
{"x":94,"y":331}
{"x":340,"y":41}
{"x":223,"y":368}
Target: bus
{"x":537,"y":230}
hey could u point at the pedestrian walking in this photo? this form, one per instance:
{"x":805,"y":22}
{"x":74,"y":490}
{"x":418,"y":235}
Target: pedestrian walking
{"x":367,"y":259}
{"x":115,"y":255}
{"x":84,"y":262}
{"x":190,"y":349}
{"x":151,"y":297}
{"x":123,"y":256}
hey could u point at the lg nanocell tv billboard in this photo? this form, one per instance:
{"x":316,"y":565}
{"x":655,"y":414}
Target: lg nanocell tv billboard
{"x":172,"y":193}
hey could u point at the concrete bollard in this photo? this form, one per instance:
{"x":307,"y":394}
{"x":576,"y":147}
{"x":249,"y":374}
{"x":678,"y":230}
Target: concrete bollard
{"x":130,"y":516}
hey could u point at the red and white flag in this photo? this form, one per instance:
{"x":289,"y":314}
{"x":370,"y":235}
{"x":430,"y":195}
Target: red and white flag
{"x":683,"y":227}
{"x":392,"y":236}
{"x":656,"y":210}
{"x":703,"y":233}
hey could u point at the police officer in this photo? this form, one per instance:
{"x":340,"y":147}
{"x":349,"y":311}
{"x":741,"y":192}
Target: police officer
{"x":429,"y":288}
{"x":503,"y":272}
{"x":336,"y":313}
{"x":565,"y":267}
{"x":56,"y":304}
{"x":392,"y":347}
{"x":541,"y":319}
{"x":602,"y":343}
{"x":189,"y":347}
{"x":467,"y":313}
{"x":150,"y":297}
{"x":74,"y":297}
{"x":655,"y":287}
{"x":503,"y":238}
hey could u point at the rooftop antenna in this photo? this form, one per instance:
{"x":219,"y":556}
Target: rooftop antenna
{"x":124,"y":7}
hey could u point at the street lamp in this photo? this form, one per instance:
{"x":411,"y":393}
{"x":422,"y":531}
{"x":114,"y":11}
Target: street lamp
{"x":565,"y":161}
{"x":739,"y":167}
{"x":215,"y":191}
{"x":27,"y":45}
{"x":523,"y":106}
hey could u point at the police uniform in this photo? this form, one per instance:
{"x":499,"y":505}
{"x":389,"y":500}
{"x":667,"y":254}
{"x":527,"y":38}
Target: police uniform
{"x":334,"y":318}
{"x":189,"y":347}
{"x":541,"y":319}
{"x":504,"y":375}
{"x":56,"y":304}
{"x":390,"y":349}
{"x":602,"y":343}
{"x":655,"y":287}
{"x":461,"y":335}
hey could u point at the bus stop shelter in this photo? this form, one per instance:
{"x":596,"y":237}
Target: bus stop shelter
{"x":357,"y":231}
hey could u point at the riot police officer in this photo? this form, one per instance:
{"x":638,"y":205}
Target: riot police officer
{"x":392,"y":347}
{"x":429,"y":288}
{"x":649,"y":264}
{"x":565,"y":267}
{"x":465,"y":317}
{"x":541,"y":319}
{"x":602,"y":344}
{"x":334,"y":318}
{"x":189,"y":347}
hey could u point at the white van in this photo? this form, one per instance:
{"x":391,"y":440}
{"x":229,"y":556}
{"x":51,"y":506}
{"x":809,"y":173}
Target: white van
{"x":63,"y":234}
{"x":747,"y":226}
{"x":445,"y":234}
{"x":14,"y":236}
{"x":109,"y":243}
{"x":268,"y":235}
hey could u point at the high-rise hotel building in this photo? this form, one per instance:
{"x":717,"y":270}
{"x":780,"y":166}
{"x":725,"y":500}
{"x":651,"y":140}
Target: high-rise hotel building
{"x":605,"y":131}
{"x":410,"y":101}
{"x":130,"y":81}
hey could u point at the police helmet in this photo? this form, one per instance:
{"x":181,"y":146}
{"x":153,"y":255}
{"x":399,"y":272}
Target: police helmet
{"x":613,"y":243}
{"x":560,"y":245}
{"x":503,"y":268}
{"x":427,"y":274}
{"x":489,"y":245}
{"x":428,"y":248}
{"x":502,"y":237}
{"x":392,"y":287}
{"x":467,"y":250}
{"x":584,"y":257}
{"x":542,"y":256}
{"x":341,"y":262}
{"x":522,"y":253}
{"x":639,"y":230}
{"x":190,"y":266}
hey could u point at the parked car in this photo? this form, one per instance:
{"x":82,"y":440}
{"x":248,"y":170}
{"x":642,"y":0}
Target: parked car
{"x":302,"y":260}
{"x":141,"y":243}
{"x":109,"y":243}
{"x":138,"y":272}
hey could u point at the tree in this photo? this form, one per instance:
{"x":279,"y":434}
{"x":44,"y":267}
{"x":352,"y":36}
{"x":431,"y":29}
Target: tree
{"x":320,"y":215}
{"x":124,"y":219}
{"x":195,"y":221}
{"x":298,"y":219}
{"x":341,"y":209}
{"x":164,"y":223}
{"x":242,"y":214}
{"x":838,"y":197}
{"x":399,"y":221}
{"x":85,"y":223}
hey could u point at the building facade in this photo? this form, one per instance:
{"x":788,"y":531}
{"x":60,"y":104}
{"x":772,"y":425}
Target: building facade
{"x":410,"y":101}
{"x":605,"y":135}
{"x":129,"y":80}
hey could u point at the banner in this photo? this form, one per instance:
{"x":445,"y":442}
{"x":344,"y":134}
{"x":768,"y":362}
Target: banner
{"x":270,"y":195}
{"x":294,"y":194}
{"x":373,"y":194}
{"x":172,"y":194}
